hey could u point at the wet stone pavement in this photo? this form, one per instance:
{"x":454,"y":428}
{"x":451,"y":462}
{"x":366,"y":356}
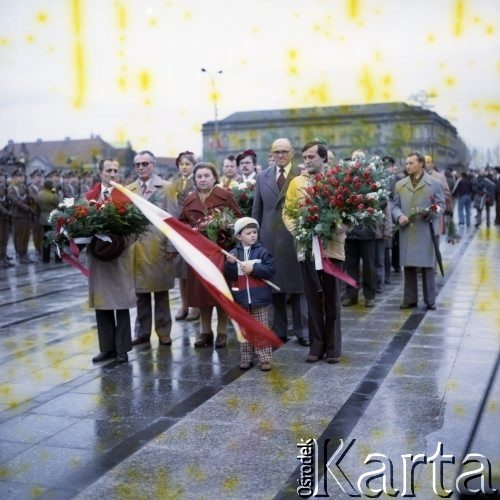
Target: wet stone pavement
{"x":179,"y":422}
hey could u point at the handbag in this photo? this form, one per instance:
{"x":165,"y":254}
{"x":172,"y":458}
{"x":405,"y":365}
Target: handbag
{"x":479,"y":200}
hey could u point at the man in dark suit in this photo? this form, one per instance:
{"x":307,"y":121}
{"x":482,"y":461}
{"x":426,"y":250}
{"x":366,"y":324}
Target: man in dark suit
{"x":270,"y":190}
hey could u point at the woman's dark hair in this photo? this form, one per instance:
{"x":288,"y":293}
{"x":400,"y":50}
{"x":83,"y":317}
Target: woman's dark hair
{"x":185,"y":154}
{"x":210,"y":166}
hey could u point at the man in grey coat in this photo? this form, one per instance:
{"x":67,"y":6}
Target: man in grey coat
{"x":270,"y":190}
{"x":153,"y":256}
{"x":413,"y":196}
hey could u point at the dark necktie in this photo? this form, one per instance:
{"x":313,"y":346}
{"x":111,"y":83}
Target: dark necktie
{"x":106,"y":194}
{"x":281,"y":178}
{"x":144,"y":188}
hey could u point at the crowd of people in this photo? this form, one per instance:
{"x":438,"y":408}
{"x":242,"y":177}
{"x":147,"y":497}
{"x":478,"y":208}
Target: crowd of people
{"x":145,"y":271}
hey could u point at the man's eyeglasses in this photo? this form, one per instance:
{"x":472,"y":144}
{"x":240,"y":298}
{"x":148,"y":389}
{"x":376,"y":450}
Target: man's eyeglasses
{"x":143,"y":163}
{"x":280,"y":153}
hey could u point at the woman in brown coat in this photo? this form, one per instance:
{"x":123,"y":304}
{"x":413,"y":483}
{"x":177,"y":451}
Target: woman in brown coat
{"x":203,"y":201}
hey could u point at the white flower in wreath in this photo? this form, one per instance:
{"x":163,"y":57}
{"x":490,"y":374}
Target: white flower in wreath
{"x":67,"y":203}
{"x":51,"y":215}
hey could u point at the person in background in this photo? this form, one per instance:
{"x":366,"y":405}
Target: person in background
{"x":47,"y":200}
{"x":230,"y":177}
{"x":153,"y":256}
{"x":249,"y":291}
{"x":246,"y":162}
{"x":184,"y":184}
{"x":22,"y":214}
{"x":34,"y":187}
{"x":463,"y":191}
{"x":4,"y":222}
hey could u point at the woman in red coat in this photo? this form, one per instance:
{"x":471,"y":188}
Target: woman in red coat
{"x":203,"y":201}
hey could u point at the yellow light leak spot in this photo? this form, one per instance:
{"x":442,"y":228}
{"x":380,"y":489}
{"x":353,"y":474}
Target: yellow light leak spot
{"x":41,"y":17}
{"x":319,"y":95}
{"x":187,"y":15}
{"x":432,"y":93}
{"x":298,"y":393}
{"x":493,"y":107}
{"x":30,"y":38}
{"x":431,"y":38}
{"x":493,"y":124}
{"x":476,"y":20}
{"x":231,"y":483}
{"x":122,"y":83}
{"x":292,"y":62}
{"x":153,"y":22}
{"x":4,"y":473}
{"x":296,"y":14}
{"x":378,"y":56}
{"x":121,"y":135}
{"x":233,"y":402}
{"x":78,"y":53}
{"x":490,"y":30}
{"x":458,"y":17}
{"x":144,"y":80}
{"x":36,"y":491}
{"x":366,"y":84}
{"x":450,"y":81}
{"x":121,"y":15}
{"x":196,"y":127}
{"x":255,"y":408}
{"x":378,"y":434}
{"x":51,"y":48}
{"x":266,"y":426}
{"x":353,"y":8}
{"x":459,"y":410}
{"x":4,"y":41}
{"x":244,"y":61}
{"x":492,"y":406}
{"x":148,"y":102}
{"x":194,"y":472}
{"x":255,"y":29}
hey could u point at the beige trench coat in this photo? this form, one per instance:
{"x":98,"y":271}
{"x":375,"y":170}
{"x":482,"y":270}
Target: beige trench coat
{"x":152,"y":271}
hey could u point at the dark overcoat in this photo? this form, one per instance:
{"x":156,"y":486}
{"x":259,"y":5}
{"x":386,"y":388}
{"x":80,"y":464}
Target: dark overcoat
{"x":267,"y":210}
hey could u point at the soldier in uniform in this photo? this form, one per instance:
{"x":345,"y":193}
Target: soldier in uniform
{"x":22,"y":215}
{"x":37,"y":227}
{"x":4,"y":222}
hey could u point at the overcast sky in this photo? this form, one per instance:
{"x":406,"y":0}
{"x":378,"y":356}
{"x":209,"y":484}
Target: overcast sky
{"x":130,"y":69}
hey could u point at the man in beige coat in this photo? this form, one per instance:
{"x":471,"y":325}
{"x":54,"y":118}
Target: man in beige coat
{"x":153,"y":254}
{"x":111,"y":282}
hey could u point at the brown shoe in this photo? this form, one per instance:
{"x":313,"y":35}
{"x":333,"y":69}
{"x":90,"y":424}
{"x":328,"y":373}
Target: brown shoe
{"x":194,"y":314}
{"x":332,"y":361}
{"x":205,"y":340}
{"x":312,"y":358}
{"x":166,"y":340}
{"x":265,"y":367}
{"x":141,"y":340}
{"x":220,"y":340}
{"x":181,"y":314}
{"x":245,"y":366}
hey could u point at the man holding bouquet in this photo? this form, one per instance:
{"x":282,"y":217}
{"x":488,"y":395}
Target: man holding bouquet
{"x":111,"y":280}
{"x":322,"y":290}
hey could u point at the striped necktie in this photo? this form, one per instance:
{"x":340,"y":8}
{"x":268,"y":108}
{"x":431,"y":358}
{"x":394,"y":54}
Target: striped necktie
{"x":281,"y":179}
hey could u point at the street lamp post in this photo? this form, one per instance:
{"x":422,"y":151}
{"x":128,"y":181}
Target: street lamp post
{"x":215,"y":98}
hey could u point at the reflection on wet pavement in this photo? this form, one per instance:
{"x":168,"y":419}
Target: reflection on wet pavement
{"x":189,"y":422}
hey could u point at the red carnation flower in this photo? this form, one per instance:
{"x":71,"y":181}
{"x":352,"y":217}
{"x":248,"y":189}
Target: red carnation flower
{"x":361,"y":206}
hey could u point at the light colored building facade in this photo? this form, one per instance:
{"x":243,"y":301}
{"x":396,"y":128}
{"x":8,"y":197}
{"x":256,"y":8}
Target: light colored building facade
{"x":392,"y":129}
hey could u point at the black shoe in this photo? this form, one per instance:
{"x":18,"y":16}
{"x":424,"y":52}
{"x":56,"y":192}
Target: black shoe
{"x":284,"y":339}
{"x":103,"y":356}
{"x":431,"y":307}
{"x":397,"y":269}
{"x":350,"y":301}
{"x":304,"y":342}
{"x":404,"y":305}
{"x":141,"y":340}
{"x":122,"y":358}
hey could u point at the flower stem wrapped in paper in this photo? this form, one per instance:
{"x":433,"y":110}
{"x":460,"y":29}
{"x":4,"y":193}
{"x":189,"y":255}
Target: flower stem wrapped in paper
{"x":75,"y":223}
{"x":218,"y":227}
